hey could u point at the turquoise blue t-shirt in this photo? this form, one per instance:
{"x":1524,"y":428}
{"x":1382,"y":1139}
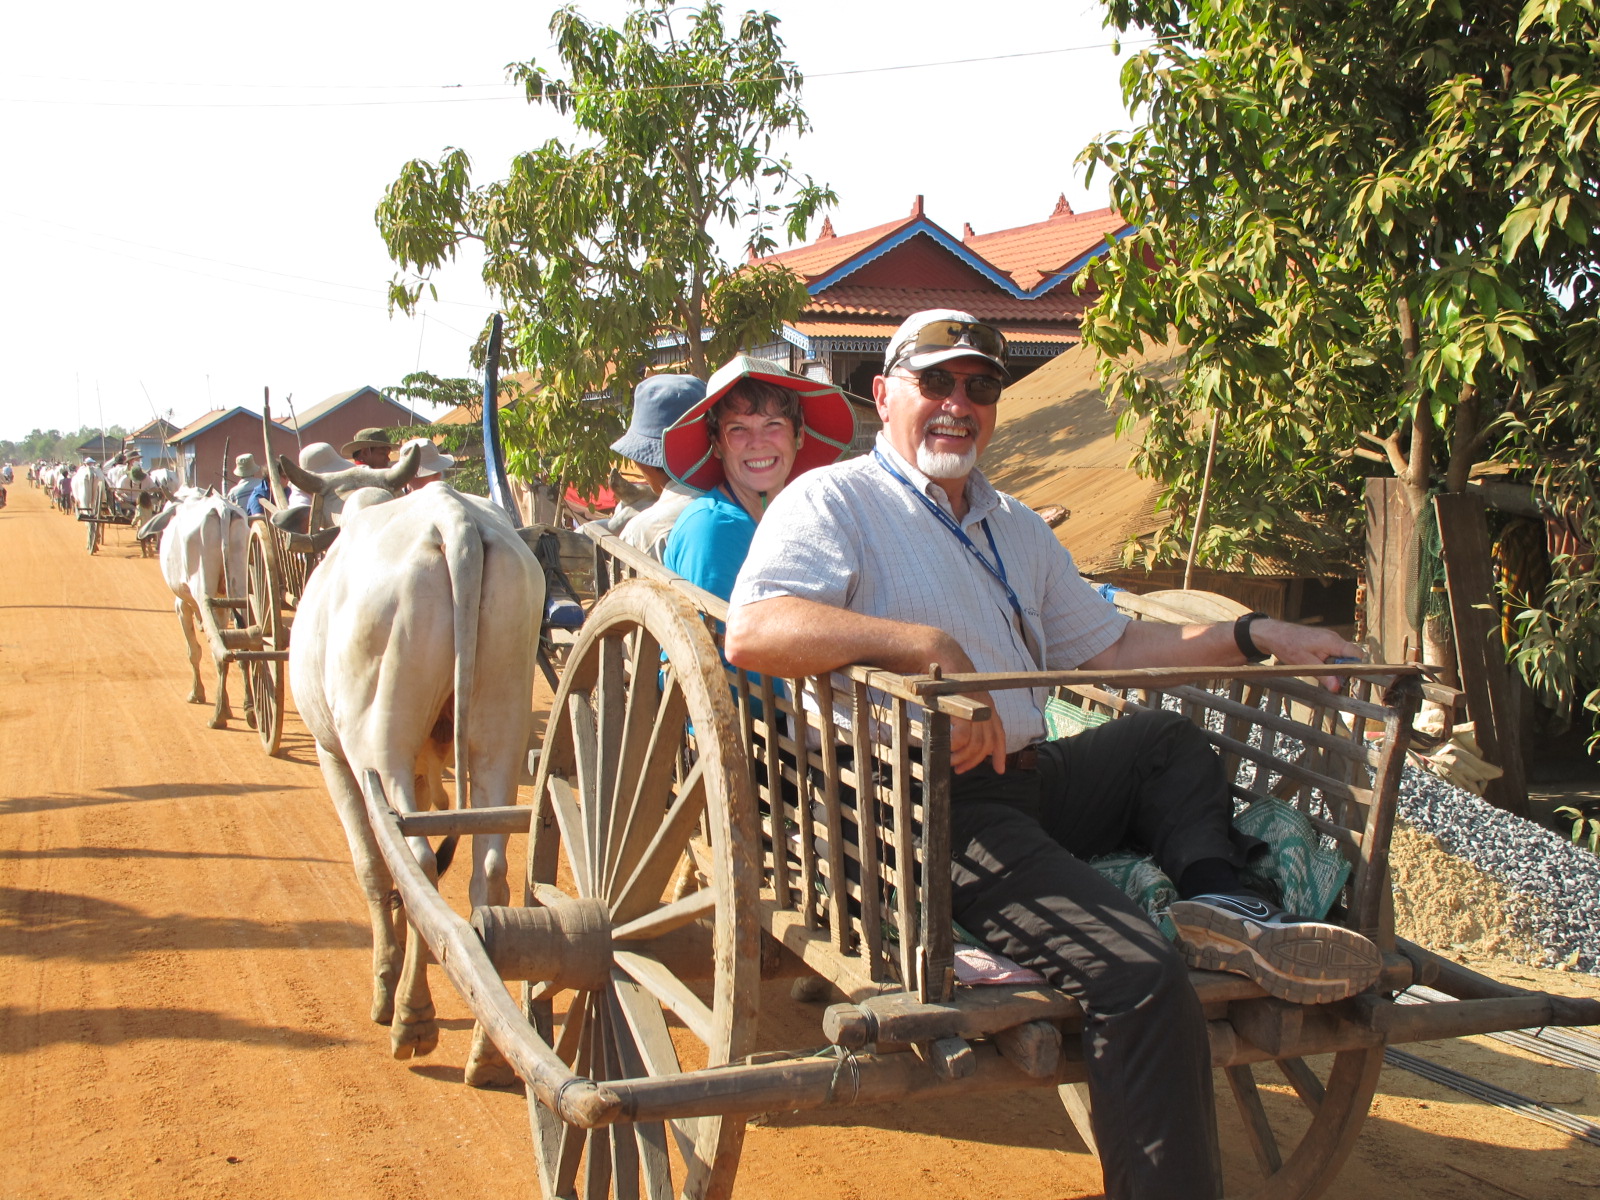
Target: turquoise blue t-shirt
{"x":708,"y":545}
{"x":709,"y":542}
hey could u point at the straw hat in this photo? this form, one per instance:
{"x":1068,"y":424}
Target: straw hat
{"x":826,"y":419}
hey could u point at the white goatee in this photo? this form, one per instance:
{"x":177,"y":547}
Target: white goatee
{"x":945,"y":464}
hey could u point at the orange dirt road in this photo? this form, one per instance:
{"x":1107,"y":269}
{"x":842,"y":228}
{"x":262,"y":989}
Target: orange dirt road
{"x":184,"y":976}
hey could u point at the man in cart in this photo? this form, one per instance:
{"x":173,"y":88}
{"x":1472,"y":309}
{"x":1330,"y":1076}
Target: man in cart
{"x":909,"y":557}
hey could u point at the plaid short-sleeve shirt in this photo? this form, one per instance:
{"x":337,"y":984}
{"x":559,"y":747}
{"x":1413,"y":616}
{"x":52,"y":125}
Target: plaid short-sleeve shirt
{"x":853,"y":536}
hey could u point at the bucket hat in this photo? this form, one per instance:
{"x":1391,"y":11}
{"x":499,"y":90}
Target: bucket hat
{"x":826,"y":419}
{"x":367,"y":439}
{"x":246,"y":467}
{"x":657,"y":402}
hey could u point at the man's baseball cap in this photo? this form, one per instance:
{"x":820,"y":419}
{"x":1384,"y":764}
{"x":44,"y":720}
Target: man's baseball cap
{"x":658,"y":402}
{"x":938,"y":335}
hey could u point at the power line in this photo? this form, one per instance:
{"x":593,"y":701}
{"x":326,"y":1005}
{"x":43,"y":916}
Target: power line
{"x":189,"y":83}
{"x":265,"y":287}
{"x":219,"y":261}
{"x":237,"y":266}
{"x":662,"y":87}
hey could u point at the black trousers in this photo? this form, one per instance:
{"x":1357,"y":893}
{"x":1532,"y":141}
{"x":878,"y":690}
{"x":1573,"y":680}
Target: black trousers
{"x":1146,"y":781}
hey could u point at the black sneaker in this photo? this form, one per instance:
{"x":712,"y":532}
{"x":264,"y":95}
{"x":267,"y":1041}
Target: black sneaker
{"x":1293,"y":958}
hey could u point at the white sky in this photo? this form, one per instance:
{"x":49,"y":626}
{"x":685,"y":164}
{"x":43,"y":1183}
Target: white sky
{"x":190,"y":188}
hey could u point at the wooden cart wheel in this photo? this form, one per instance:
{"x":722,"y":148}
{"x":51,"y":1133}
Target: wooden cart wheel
{"x":263,"y":612}
{"x":622,"y":813}
{"x":1301,"y":1118}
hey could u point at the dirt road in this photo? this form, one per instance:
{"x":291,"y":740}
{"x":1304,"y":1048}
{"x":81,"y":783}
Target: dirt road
{"x":184,"y":976}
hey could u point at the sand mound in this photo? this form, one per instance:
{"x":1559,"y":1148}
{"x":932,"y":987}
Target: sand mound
{"x":1448,"y":905}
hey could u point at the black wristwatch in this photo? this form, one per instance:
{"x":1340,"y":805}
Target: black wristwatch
{"x":1241,"y":637}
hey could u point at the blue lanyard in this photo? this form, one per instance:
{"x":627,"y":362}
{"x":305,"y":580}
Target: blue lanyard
{"x":997,"y":569}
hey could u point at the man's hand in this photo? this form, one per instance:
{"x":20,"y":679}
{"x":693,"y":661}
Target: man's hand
{"x":973,"y":741}
{"x":1158,"y":644}
{"x":1297,"y":645}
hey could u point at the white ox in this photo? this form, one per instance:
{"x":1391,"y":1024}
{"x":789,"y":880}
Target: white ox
{"x":416,"y":633}
{"x":88,"y":488}
{"x":202,"y":554}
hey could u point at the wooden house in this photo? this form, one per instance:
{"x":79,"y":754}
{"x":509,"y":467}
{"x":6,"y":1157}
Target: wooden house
{"x":205,"y":449}
{"x":99,"y":448}
{"x":340,"y":417}
{"x":151,"y":443}
{"x":863,"y":284}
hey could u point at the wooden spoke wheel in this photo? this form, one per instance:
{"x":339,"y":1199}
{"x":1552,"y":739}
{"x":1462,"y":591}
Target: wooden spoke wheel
{"x":264,"y":614}
{"x":630,"y":806}
{"x":1300,"y":1118}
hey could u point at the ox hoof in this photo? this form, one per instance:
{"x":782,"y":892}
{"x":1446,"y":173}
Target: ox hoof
{"x":218,"y":722}
{"x":197,"y":697}
{"x":486,"y":1066}
{"x":413,"y":1041}
{"x":250,"y":718}
{"x":382,"y":1007}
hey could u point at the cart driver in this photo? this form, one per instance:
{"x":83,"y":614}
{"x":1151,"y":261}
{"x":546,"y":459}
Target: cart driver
{"x":908,"y":556}
{"x":371,"y":447}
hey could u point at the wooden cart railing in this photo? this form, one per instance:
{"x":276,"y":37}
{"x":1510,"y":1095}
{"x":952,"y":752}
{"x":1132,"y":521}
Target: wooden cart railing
{"x":696,"y":830}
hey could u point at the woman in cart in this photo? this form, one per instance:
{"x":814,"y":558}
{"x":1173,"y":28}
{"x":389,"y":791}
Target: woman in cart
{"x":758,"y":427}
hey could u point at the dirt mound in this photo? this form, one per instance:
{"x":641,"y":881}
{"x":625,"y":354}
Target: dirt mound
{"x":1448,"y":905}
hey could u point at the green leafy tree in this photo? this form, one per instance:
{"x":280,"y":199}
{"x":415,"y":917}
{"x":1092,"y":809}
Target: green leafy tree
{"x":1371,"y":227}
{"x":464,"y":442}
{"x":599,"y":249}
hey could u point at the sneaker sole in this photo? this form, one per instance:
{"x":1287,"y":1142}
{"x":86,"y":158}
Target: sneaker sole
{"x":1286,"y":960}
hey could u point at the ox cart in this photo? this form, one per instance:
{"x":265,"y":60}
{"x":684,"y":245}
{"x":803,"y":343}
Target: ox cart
{"x":696,"y":830}
{"x":278,"y":562}
{"x":111,"y":506}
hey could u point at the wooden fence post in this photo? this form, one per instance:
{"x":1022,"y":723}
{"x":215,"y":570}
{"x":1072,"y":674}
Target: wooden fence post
{"x":1480,"y":653}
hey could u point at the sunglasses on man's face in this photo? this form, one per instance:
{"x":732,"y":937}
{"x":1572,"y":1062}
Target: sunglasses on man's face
{"x":937,"y":384}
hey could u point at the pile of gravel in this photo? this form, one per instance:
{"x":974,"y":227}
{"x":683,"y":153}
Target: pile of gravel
{"x":1558,"y":883}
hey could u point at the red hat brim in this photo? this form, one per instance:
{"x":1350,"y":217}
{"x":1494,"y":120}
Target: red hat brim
{"x":828,"y":421}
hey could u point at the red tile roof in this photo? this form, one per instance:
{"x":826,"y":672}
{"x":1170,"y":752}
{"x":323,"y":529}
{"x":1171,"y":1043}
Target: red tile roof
{"x":846,"y":299}
{"x":814,"y":261}
{"x":1031,"y":253}
{"x":883,"y":329}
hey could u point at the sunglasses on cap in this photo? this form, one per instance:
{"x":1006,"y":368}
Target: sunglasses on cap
{"x":947,"y":335}
{"x":936,"y":383}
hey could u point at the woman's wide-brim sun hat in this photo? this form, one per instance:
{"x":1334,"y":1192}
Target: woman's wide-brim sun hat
{"x":826,"y":419}
{"x":433,"y":462}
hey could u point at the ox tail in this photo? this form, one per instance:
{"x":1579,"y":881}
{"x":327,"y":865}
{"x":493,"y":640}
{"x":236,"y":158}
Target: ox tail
{"x":463,"y":555}
{"x":445,"y":853}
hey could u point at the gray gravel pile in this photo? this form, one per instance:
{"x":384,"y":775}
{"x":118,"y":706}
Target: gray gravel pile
{"x":1560,"y":881}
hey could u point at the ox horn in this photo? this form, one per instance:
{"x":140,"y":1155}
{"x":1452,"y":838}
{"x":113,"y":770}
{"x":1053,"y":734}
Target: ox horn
{"x":342,"y":483}
{"x":308,"y":482}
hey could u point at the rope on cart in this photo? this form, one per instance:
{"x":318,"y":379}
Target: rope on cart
{"x":844,"y":1057}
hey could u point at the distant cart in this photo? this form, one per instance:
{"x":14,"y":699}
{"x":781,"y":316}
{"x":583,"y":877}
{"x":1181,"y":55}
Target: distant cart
{"x":688,"y":842}
{"x":115,"y":506}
